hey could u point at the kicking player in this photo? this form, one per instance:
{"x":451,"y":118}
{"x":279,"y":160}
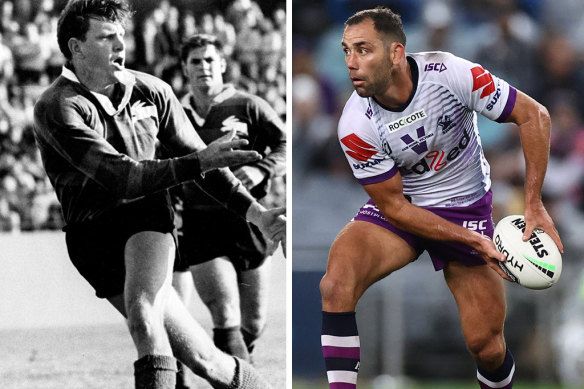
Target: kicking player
{"x":231,"y":257}
{"x":97,"y":127}
{"x":409,"y":133}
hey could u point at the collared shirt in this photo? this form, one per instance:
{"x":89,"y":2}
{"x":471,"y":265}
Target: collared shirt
{"x":98,"y":156}
{"x":253,"y":119}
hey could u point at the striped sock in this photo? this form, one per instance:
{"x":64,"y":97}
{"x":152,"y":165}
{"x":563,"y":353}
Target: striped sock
{"x":340,"y":347}
{"x":502,"y":378}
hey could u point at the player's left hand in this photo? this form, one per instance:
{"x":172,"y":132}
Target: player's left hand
{"x":272,"y":223}
{"x":250,"y":176}
{"x":538,"y":217}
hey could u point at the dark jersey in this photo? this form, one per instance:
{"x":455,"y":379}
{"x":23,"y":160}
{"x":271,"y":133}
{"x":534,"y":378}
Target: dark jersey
{"x":98,"y":156}
{"x":254,"y":120}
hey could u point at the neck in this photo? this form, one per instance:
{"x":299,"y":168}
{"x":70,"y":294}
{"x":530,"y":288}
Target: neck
{"x":86,"y":76}
{"x":400,"y":87}
{"x":204,"y":98}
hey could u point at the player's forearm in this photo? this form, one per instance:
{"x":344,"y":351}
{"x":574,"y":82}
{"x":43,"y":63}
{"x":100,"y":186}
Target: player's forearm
{"x":275,"y":162}
{"x":426,"y":224}
{"x":535,"y":141}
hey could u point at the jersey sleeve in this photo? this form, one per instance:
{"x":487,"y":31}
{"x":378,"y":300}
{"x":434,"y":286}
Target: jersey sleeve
{"x":480,"y":90}
{"x":369,"y":159}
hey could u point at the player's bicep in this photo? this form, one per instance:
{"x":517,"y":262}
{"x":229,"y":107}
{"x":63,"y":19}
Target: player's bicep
{"x":526,"y":109}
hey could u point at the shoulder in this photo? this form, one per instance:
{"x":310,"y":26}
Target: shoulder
{"x":149,"y":82}
{"x":61,"y":96}
{"x":442,"y":67}
{"x":356,"y":116}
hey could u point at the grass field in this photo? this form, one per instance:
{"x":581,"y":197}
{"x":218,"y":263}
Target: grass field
{"x":101,"y":356}
{"x":300,"y":384}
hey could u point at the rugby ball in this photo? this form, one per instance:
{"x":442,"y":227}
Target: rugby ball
{"x":535,"y":264}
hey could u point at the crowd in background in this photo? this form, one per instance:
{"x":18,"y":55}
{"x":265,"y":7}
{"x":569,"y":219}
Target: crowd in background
{"x":253,"y":35}
{"x":535,"y":45}
{"x":532,"y":44}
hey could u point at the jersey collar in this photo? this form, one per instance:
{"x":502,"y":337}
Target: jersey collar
{"x":415,"y":76}
{"x":128,"y":82}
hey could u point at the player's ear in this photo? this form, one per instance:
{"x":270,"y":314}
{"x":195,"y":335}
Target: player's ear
{"x":75,"y":47}
{"x":397,"y":52}
{"x":223,"y":65}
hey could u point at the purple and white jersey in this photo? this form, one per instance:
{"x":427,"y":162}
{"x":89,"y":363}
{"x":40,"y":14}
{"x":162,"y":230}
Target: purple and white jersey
{"x":433,"y":139}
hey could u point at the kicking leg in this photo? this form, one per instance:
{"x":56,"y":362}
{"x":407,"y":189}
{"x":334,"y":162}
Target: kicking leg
{"x":480,"y":296}
{"x":362,"y":254}
{"x":254,"y":292}
{"x":149,"y":257}
{"x":217,"y":285}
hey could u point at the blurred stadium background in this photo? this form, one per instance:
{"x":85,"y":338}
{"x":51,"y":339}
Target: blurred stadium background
{"x":53,"y":332}
{"x":408,"y":322}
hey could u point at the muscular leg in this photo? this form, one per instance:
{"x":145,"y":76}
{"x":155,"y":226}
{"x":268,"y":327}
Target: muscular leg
{"x":253,"y":293}
{"x":217,"y":284}
{"x":192,"y":346}
{"x":480,"y":296}
{"x":149,"y":257}
{"x":362,"y":254}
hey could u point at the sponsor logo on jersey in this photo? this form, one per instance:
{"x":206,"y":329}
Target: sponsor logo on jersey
{"x":357,"y":148}
{"x":369,"y":111}
{"x":446,"y":123}
{"x":436,"y":66}
{"x":406,"y":120}
{"x":494,"y":99}
{"x":438,"y":158}
{"x":482,"y":79}
{"x":142,"y":111}
{"x":418,"y":145}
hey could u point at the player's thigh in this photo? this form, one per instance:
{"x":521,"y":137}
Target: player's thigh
{"x":364,"y":253}
{"x":149,"y":259}
{"x":480,"y":295}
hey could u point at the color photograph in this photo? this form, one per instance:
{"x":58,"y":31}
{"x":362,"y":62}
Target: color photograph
{"x":437,"y":194}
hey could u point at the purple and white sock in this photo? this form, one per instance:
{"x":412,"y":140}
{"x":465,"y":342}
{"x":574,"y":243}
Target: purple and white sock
{"x":341,"y":349}
{"x":502,"y":378}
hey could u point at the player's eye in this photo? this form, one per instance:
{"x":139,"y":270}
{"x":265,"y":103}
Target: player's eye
{"x":363,"y":51}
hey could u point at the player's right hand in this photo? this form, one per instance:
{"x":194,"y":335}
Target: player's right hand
{"x":222,"y":153}
{"x":492,"y":256}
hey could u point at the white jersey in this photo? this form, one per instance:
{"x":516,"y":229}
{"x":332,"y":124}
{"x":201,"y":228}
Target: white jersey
{"x":433,"y":139}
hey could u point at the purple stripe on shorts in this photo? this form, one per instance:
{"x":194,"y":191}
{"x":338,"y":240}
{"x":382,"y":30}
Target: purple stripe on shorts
{"x":509,"y":105}
{"x":342,"y":385}
{"x":380,"y":178}
{"x":340,"y":352}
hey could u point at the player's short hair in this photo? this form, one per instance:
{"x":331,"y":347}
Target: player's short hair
{"x":384,"y":20}
{"x":74,"y":20}
{"x":199,"y":40}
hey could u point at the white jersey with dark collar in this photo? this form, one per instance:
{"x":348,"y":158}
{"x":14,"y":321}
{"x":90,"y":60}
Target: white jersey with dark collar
{"x":433,"y":139}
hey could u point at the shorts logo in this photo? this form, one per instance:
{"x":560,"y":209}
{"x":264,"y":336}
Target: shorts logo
{"x":406,"y":120}
{"x":482,"y":79}
{"x":358,"y":148}
{"x":419,"y":146}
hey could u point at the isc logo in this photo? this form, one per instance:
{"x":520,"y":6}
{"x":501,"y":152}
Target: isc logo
{"x":437,"y":66}
{"x":475,"y":225}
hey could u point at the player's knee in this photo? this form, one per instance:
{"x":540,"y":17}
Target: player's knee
{"x":143,"y":319}
{"x":225,"y":314}
{"x":488,"y":352}
{"x":336,"y":293}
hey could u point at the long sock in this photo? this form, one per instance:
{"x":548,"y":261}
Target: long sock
{"x":341,"y":349}
{"x":231,"y":341}
{"x":155,"y":372}
{"x":502,"y":378}
{"x":246,"y":377}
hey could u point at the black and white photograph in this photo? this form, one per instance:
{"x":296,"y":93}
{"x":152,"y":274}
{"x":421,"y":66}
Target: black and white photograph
{"x":143,"y":194}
